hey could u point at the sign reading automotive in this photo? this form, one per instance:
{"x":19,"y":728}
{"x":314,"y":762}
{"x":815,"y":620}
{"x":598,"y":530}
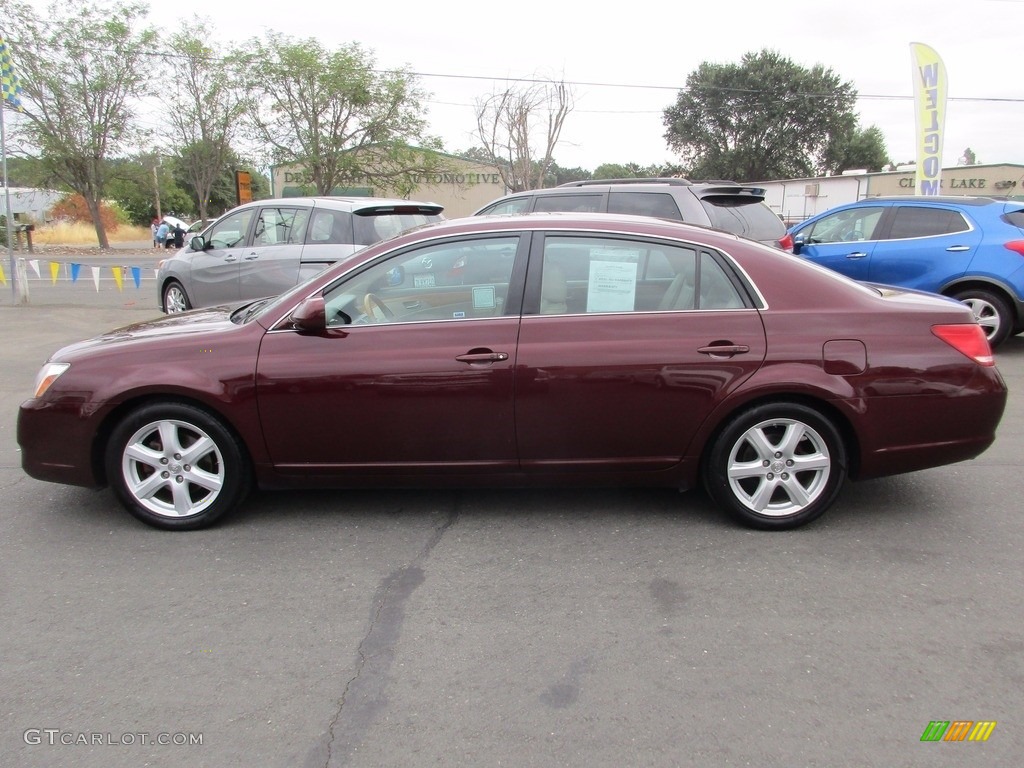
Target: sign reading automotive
{"x":930,"y":111}
{"x":243,"y":187}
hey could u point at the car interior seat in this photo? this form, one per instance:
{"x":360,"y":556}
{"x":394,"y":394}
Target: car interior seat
{"x":554,"y":290}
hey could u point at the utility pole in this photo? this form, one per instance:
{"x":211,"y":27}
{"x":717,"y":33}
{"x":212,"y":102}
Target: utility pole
{"x":156,"y":187}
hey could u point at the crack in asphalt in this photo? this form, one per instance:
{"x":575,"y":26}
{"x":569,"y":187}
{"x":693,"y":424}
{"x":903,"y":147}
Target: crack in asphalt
{"x":364,"y":694}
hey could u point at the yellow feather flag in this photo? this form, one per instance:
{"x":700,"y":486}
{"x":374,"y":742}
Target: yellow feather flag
{"x":117,"y":276}
{"x":930,"y":85}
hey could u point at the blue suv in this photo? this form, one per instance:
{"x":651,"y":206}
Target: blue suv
{"x":968,"y":248}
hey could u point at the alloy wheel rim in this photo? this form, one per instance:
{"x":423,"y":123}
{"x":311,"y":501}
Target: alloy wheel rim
{"x":175,"y":300}
{"x":173,"y":468}
{"x":986,"y":316}
{"x":779,"y":467}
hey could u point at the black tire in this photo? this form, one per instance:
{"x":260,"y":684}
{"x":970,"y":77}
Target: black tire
{"x":992,"y":312}
{"x":148,"y":466}
{"x":175,"y":299}
{"x":749,"y":471}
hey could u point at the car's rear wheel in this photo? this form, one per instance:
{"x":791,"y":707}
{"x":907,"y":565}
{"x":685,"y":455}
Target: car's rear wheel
{"x":991,"y":311}
{"x":174,"y":466}
{"x":175,"y":298}
{"x":776,"y":466}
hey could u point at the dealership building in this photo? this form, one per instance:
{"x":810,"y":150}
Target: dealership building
{"x":462,"y":186}
{"x":798,"y":199}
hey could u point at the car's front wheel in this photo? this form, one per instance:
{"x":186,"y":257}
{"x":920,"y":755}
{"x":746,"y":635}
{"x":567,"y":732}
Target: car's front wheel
{"x":175,"y":298}
{"x":175,"y":466}
{"x":776,"y":466}
{"x":991,"y":311}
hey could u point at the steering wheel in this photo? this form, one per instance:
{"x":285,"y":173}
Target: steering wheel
{"x":376,"y":310}
{"x":853,"y":234}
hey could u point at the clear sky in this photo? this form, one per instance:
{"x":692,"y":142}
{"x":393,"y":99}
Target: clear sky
{"x":628,"y":59}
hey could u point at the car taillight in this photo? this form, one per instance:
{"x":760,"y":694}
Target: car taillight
{"x":786,"y":242}
{"x":967,"y":339}
{"x":1017,"y":246}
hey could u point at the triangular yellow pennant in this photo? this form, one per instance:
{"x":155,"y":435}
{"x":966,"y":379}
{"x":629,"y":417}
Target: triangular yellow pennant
{"x":3,"y":277}
{"x":117,"y":276}
{"x":54,"y":271}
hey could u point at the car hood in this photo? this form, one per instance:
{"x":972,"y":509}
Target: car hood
{"x":196,"y":322}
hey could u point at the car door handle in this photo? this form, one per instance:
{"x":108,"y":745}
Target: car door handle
{"x":724,"y":350}
{"x":856,"y":255}
{"x":252,"y":257}
{"x":482,"y":357}
{"x":958,"y":248}
{"x":231,"y":258}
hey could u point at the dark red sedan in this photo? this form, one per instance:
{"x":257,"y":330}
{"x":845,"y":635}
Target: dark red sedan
{"x":533,"y":350}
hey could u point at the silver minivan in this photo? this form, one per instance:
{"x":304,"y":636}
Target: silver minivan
{"x":265,"y":247}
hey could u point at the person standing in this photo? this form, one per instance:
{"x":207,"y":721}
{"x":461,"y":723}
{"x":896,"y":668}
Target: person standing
{"x":153,"y":227}
{"x":179,"y":236}
{"x":161,"y":234}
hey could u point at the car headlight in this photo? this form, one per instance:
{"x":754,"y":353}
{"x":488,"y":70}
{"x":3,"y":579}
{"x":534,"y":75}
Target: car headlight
{"x":49,"y":374}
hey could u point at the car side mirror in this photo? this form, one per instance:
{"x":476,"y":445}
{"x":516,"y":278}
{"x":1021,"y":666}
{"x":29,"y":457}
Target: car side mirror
{"x":799,"y":241}
{"x":310,"y":315}
{"x":197,"y":243}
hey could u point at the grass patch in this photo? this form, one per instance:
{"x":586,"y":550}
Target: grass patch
{"x":78,"y":233}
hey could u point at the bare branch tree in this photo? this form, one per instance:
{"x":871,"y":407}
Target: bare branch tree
{"x":519,"y":129}
{"x":207,"y":103}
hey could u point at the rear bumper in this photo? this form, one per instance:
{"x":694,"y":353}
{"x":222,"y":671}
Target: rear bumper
{"x":909,"y":433}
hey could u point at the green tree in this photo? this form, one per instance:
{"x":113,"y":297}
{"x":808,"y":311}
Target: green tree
{"x":332,"y":113}
{"x":763,"y":118}
{"x":81,"y":65}
{"x":567,"y":175}
{"x":855,"y":148}
{"x":207,"y":104}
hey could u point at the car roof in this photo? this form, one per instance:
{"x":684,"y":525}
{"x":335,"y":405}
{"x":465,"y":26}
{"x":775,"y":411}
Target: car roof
{"x":925,"y":199}
{"x":353,"y":204}
{"x":569,"y":220}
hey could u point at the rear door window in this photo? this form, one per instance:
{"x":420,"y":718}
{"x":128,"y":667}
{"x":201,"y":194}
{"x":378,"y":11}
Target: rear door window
{"x":923,"y":221}
{"x":327,"y":226}
{"x":579,"y":203}
{"x":657,"y":204}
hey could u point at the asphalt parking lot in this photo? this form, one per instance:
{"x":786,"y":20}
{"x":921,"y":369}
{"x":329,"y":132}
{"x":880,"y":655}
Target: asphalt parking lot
{"x":505,"y":628}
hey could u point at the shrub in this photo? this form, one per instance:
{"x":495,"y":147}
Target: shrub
{"x":73,"y":208}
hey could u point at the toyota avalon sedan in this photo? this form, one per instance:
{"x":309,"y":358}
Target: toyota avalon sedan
{"x":545,"y":349}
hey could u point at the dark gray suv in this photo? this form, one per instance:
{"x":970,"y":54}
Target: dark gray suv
{"x":723,"y":205}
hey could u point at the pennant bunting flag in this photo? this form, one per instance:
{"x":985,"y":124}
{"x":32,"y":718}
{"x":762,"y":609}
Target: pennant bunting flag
{"x":117,"y":277}
{"x":96,"y":278}
{"x":54,"y":272}
{"x":137,"y":276}
{"x":34,"y":263}
{"x":74,"y":271}
{"x":3,"y":277}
